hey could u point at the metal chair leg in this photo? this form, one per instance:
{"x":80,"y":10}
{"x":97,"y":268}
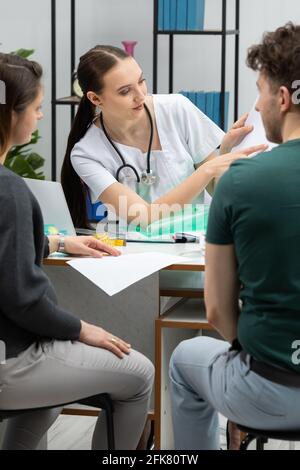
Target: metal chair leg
{"x":260,"y":443}
{"x":110,"y":429}
{"x":150,"y":442}
{"x":104,"y":402}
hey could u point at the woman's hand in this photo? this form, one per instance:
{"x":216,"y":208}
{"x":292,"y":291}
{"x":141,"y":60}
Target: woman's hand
{"x":88,"y":246}
{"x":96,"y":336}
{"x":235,"y":135}
{"x":217,"y":166}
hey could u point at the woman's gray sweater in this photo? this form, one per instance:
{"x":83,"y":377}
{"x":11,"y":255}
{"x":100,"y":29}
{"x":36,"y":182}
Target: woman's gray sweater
{"x":28,"y":304}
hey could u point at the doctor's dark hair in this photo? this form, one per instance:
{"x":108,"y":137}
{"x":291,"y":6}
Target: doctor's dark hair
{"x":91,"y":70}
{"x":278,"y":57}
{"x":22,"y":81}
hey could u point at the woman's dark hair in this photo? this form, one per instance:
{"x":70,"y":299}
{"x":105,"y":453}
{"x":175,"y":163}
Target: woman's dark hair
{"x":91,"y":70}
{"x":278,"y":56}
{"x":20,"y":81}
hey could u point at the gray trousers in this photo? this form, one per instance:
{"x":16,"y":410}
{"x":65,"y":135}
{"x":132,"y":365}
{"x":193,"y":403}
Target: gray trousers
{"x":206,"y":379}
{"x":56,"y":372}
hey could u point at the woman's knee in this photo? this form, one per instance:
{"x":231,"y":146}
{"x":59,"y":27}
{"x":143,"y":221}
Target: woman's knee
{"x":143,"y":371}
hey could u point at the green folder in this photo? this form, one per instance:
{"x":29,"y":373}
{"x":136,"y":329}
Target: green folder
{"x":192,"y":218}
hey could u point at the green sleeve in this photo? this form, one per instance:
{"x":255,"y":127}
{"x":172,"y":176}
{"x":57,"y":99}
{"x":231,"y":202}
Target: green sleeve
{"x":220,"y":220}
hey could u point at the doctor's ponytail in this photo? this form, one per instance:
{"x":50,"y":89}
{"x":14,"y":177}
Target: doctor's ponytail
{"x":74,"y":188}
{"x":91,"y":70}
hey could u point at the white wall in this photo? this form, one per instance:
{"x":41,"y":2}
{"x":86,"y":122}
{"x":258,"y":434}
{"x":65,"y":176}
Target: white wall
{"x":197,"y":59}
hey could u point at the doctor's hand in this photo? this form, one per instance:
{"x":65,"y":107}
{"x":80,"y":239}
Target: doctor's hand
{"x":96,"y":336}
{"x":88,"y":246}
{"x":217,"y":166}
{"x":235,"y":135}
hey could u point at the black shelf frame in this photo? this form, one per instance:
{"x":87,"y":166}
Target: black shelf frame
{"x":72,"y":101}
{"x":223,"y":33}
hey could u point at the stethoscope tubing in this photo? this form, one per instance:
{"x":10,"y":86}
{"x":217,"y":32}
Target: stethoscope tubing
{"x":124,"y":164}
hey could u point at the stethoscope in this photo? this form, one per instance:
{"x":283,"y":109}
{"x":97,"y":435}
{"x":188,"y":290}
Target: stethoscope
{"x":147,"y":176}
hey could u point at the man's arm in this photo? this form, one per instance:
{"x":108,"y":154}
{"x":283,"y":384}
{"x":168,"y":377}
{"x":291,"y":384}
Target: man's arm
{"x":222,"y":289}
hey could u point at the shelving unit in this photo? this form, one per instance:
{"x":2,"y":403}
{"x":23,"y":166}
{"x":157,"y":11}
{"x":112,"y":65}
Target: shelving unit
{"x":223,"y":33}
{"x":71,"y":100}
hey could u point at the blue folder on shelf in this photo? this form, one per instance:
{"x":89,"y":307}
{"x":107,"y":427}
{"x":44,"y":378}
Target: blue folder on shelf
{"x":200,"y":11}
{"x":192,"y":97}
{"x":226,"y":110}
{"x":181,"y":19}
{"x":217,"y":109}
{"x":167,"y":8}
{"x":160,"y":23}
{"x":200,"y":100}
{"x":173,"y":14}
{"x":191,"y":15}
{"x":216,"y":117}
{"x":184,"y":93}
{"x":209,"y":104}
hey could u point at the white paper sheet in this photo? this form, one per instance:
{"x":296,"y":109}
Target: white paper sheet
{"x":113,"y":274}
{"x":257,"y":136}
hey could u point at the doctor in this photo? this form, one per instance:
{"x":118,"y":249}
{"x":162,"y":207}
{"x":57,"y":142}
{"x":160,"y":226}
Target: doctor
{"x":152,"y":151}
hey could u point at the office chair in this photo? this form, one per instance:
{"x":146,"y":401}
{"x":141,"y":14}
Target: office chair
{"x":102,"y":401}
{"x":262,"y":436}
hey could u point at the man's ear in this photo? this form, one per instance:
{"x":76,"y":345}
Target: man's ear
{"x":94,"y":99}
{"x":285,"y":99}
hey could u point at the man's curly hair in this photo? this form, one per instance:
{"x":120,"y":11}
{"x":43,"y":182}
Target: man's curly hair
{"x":278,"y":56}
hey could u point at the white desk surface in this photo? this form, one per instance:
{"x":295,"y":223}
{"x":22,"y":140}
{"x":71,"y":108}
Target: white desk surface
{"x":192,"y":252}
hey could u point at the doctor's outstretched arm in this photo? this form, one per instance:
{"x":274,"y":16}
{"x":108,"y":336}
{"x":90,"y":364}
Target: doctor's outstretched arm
{"x":130,"y":206}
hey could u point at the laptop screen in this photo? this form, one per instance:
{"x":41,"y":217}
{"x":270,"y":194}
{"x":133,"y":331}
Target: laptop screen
{"x":51,"y":198}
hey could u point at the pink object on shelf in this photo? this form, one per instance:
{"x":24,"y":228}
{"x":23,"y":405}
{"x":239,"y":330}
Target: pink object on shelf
{"x":129,"y":47}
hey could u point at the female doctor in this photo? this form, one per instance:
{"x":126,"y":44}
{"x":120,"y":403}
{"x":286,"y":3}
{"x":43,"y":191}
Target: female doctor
{"x":151,"y":151}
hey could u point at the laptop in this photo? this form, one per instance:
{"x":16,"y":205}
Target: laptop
{"x":52,"y":201}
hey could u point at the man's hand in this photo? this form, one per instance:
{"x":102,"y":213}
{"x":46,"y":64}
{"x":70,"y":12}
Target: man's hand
{"x":96,"y":336}
{"x":85,"y":246}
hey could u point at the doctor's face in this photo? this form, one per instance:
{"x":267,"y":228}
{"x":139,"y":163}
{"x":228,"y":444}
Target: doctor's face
{"x":124,"y":91}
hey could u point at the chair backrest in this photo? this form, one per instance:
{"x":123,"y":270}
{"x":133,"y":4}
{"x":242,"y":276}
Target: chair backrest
{"x":95,"y":212}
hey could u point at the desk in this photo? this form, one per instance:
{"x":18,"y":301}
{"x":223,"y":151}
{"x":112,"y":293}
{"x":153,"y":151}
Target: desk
{"x":136,"y":315}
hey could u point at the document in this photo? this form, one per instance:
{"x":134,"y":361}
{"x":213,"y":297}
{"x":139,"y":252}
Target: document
{"x":257,"y":136}
{"x":113,"y":274}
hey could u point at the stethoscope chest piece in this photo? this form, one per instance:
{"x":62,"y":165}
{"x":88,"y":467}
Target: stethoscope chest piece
{"x":148,"y":177}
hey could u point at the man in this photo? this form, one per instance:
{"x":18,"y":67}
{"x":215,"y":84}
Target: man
{"x":252,"y":254}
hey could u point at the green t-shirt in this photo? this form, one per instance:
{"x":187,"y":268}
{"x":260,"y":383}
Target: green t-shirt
{"x":256,"y":207}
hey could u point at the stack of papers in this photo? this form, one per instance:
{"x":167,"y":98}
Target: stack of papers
{"x":257,"y":136}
